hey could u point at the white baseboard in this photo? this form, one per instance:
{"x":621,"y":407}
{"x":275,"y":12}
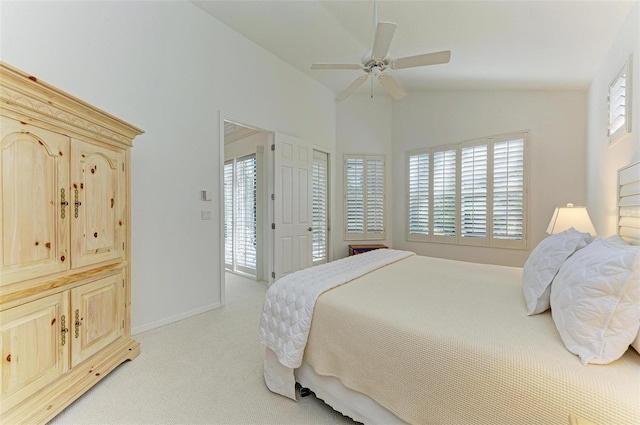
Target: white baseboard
{"x":172,"y":319}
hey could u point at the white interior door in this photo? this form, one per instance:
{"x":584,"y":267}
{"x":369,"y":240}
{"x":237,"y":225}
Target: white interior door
{"x":292,"y":204}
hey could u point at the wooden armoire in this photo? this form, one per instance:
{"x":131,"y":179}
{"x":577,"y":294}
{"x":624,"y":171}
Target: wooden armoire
{"x":65,"y":221}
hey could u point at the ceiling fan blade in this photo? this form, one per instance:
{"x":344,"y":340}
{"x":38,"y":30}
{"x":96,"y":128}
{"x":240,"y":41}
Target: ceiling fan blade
{"x":422,"y":60}
{"x":336,"y":66}
{"x":352,"y":87}
{"x":382,"y":39}
{"x":392,"y":87}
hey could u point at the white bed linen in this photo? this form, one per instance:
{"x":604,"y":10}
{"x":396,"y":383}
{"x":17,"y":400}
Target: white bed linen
{"x":457,"y":347}
{"x":352,"y":404}
{"x":288,"y":310}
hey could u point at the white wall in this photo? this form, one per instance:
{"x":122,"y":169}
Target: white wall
{"x":557,"y":124}
{"x":603,"y":159}
{"x":172,"y":70}
{"x":363,"y":126}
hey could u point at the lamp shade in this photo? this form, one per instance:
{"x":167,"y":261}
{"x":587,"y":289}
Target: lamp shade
{"x":570,"y":216}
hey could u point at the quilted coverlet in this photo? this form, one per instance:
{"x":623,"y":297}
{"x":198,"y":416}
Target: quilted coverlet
{"x":288,"y":310}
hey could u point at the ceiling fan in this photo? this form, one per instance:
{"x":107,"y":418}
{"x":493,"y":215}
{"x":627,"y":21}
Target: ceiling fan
{"x":377,"y":63}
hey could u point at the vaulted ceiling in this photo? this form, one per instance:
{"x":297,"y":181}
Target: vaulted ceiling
{"x":512,"y":44}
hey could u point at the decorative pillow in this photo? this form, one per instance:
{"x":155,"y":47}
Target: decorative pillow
{"x":543,"y":265}
{"x":595,"y":301}
{"x":617,"y":240}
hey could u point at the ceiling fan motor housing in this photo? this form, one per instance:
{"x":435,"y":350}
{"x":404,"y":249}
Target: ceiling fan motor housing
{"x":369,"y":62}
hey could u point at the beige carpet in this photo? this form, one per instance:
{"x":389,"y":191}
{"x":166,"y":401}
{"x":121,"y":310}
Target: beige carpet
{"x":202,"y":370}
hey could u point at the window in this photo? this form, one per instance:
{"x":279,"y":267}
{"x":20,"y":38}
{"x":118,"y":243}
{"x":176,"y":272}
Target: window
{"x":620,"y":104}
{"x":508,"y":190}
{"x":228,"y":214}
{"x":470,"y":193}
{"x":240,"y":214}
{"x":364,"y":197}
{"x":473,"y":191}
{"x":418,"y":169}
{"x":444,"y":193}
{"x":320,"y":207}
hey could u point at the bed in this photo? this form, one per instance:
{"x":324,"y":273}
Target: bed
{"x":400,"y":338}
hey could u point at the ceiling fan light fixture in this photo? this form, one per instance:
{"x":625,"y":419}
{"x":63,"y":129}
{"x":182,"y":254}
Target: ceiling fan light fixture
{"x":377,"y":61}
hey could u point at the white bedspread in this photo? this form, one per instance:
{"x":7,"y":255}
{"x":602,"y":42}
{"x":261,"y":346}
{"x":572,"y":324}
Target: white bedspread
{"x":288,"y":310}
{"x":446,"y":342}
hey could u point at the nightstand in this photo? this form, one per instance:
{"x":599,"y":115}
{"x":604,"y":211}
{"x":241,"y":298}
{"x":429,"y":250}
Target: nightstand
{"x":359,"y":249}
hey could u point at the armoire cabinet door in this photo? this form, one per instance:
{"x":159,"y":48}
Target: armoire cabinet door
{"x":34,"y":215}
{"x":97,"y":310}
{"x":34,"y":346}
{"x":98,"y":204}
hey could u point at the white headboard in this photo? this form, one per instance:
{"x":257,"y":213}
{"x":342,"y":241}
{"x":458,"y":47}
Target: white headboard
{"x":629,"y":203}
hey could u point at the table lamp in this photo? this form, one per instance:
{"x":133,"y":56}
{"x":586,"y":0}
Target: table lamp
{"x":570,"y":216}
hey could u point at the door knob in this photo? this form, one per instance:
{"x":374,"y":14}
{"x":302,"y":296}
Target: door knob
{"x":310,"y":229}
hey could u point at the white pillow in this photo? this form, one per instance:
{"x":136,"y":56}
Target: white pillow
{"x":636,"y":342}
{"x":595,"y":301}
{"x":617,"y":240}
{"x":543,"y":265}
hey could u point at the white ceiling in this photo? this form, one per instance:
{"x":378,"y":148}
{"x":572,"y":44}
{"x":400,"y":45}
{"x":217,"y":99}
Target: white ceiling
{"x":234,"y":132}
{"x":511,"y":44}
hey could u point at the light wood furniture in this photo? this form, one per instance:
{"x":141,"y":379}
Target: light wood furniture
{"x":359,"y":249}
{"x":65,"y":292}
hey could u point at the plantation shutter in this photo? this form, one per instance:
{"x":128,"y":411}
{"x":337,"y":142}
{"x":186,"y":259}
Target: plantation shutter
{"x":319,"y":207}
{"x":364,"y":197}
{"x":473,"y":191}
{"x":508,"y":190}
{"x":444,"y":193}
{"x":418,"y":166}
{"x":375,"y":196}
{"x":355,"y":196}
{"x":228,"y":214}
{"x":245,"y":221}
{"x":618,"y":111}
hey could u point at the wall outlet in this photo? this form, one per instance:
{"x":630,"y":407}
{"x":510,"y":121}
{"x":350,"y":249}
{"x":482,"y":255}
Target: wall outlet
{"x":205,"y":215}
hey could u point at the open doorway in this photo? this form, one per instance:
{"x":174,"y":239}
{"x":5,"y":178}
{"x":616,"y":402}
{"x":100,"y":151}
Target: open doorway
{"x":263,"y":195}
{"x":244,"y":195}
